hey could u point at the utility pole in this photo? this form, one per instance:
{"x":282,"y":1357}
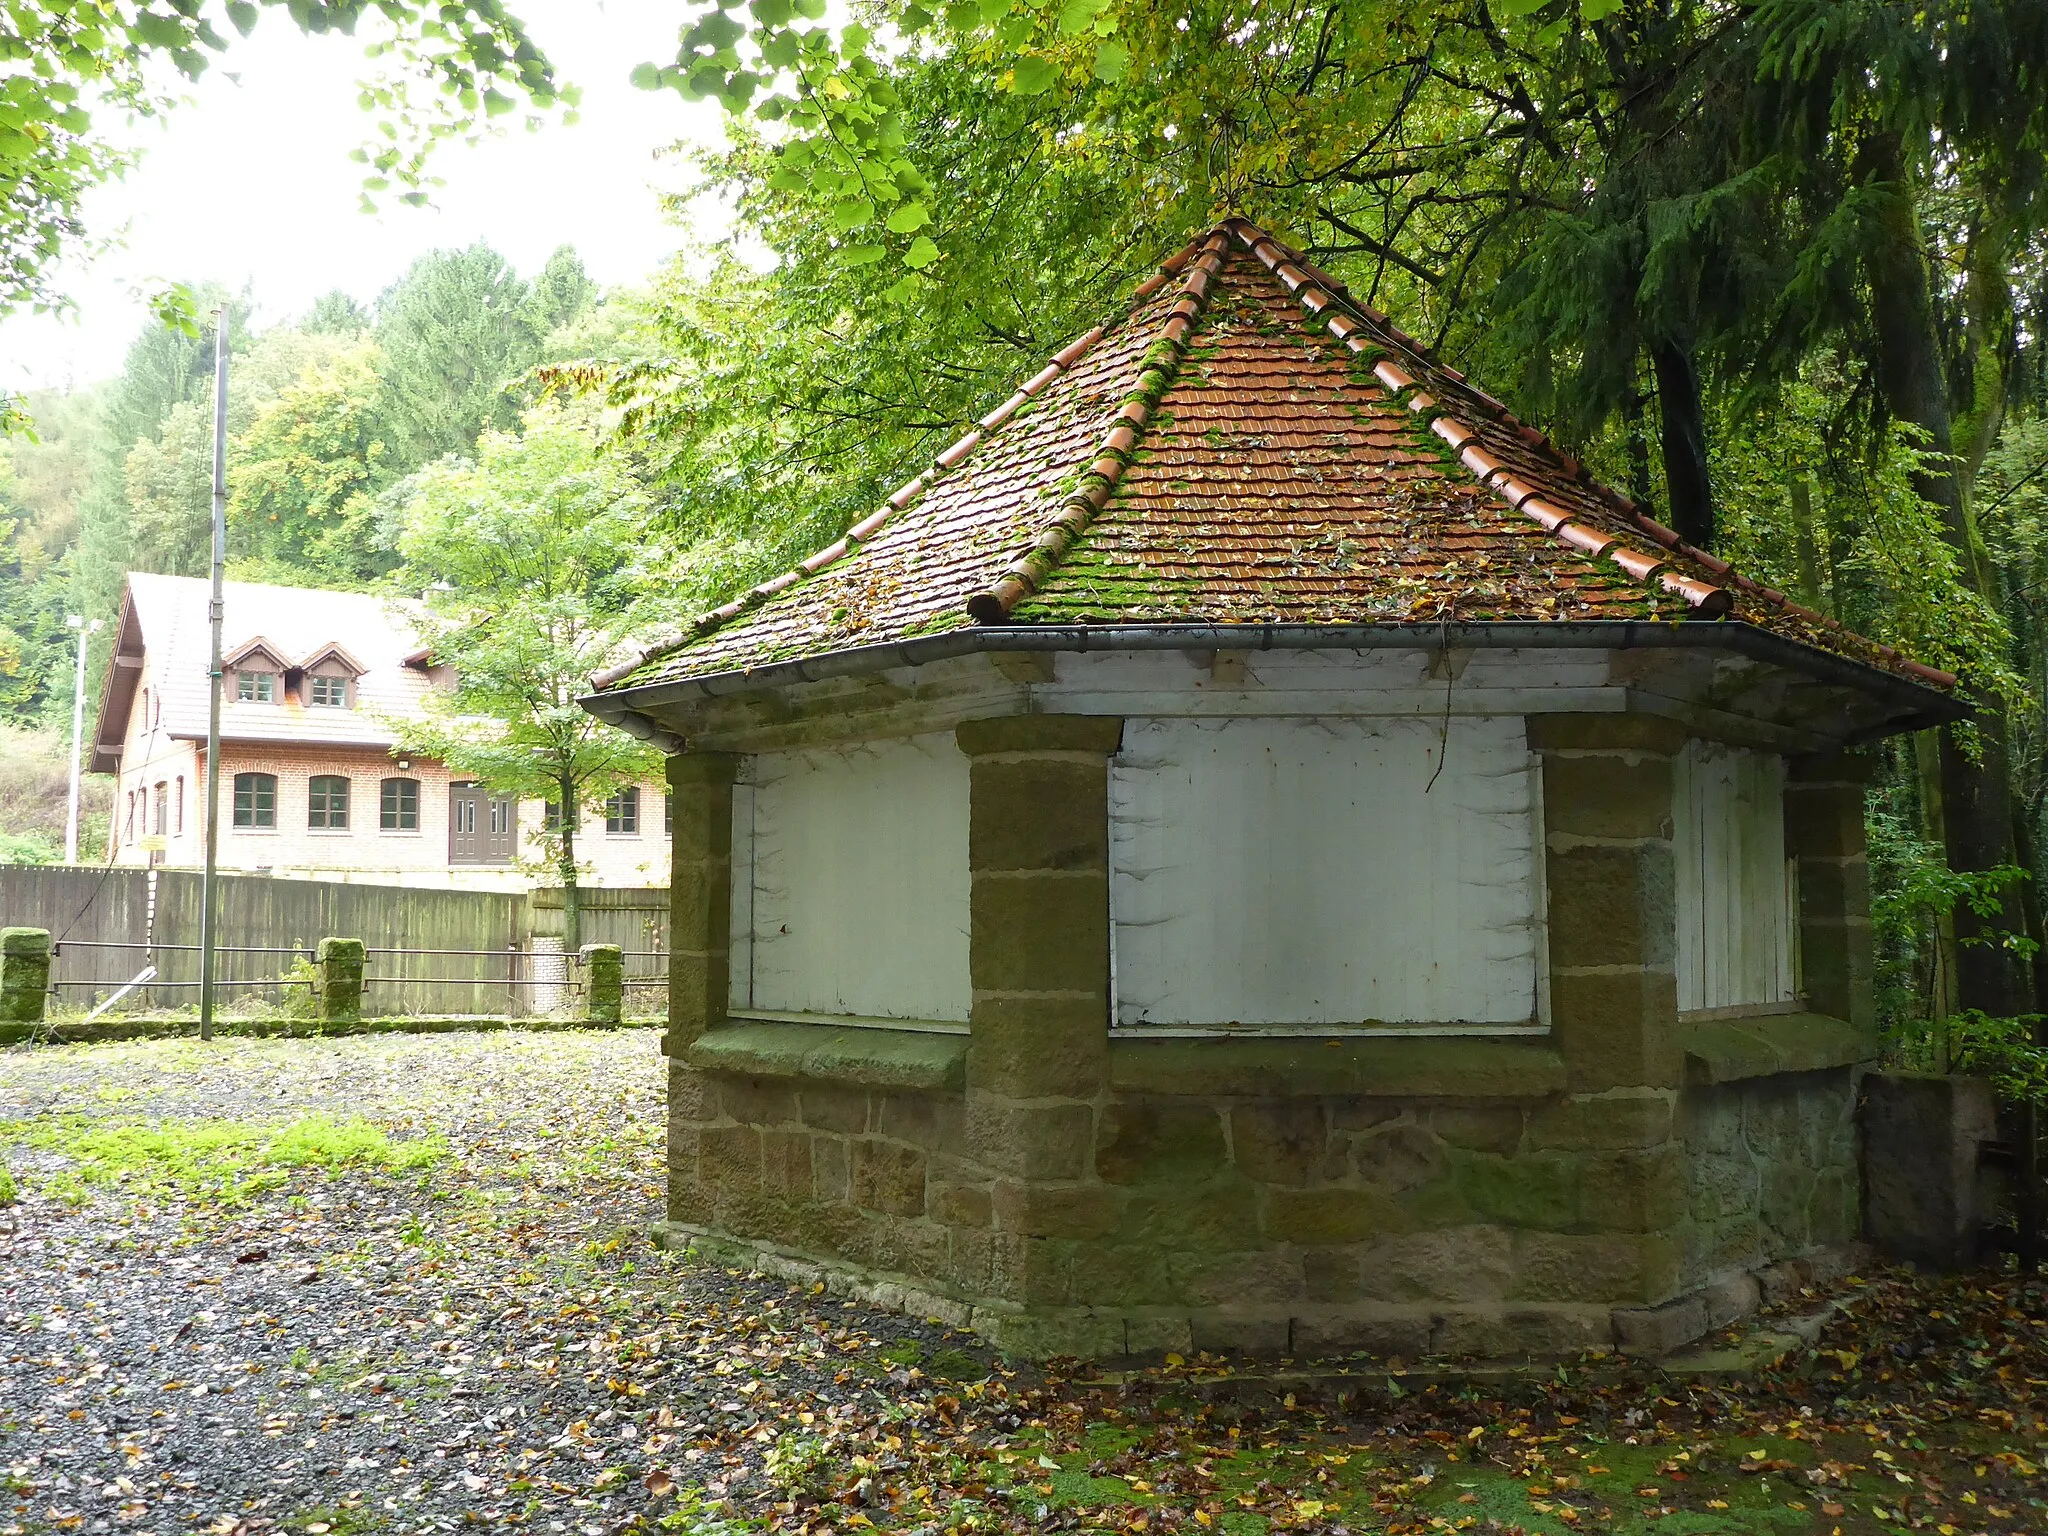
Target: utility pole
{"x":76,"y":621}
{"x":208,"y":899}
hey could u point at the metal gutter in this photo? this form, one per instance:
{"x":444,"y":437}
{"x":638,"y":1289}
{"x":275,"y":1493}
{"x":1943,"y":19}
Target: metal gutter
{"x":1920,"y":705}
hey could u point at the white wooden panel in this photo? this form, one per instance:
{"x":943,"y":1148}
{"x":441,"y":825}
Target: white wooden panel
{"x":740,"y":934}
{"x":1294,"y":871}
{"x":857,"y":885}
{"x":1734,"y":906}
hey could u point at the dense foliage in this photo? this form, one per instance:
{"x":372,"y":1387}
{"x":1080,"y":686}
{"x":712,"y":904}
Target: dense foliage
{"x":530,"y":560}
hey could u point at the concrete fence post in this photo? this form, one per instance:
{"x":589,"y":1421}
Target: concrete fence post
{"x":604,"y":982}
{"x":24,"y":974}
{"x":338,"y":981}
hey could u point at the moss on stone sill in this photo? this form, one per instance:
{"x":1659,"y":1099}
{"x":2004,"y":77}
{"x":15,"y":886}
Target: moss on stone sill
{"x":1730,"y":1050}
{"x":865,"y":1057}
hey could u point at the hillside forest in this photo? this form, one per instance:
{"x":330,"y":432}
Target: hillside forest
{"x":1778,"y":269}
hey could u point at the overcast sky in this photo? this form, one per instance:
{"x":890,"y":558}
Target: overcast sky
{"x":250,"y":183}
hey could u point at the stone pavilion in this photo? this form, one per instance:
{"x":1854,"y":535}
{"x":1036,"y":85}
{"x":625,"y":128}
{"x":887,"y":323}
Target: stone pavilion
{"x":1255,"y":849}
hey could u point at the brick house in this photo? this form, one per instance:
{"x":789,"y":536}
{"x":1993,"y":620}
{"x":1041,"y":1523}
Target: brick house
{"x":1257,"y":849}
{"x":312,"y":783}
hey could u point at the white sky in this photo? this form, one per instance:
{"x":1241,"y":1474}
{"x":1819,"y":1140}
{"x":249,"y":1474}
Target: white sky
{"x":250,"y":183}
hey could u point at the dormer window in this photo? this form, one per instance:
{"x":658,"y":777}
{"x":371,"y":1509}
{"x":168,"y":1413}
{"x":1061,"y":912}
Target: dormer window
{"x":328,"y":678}
{"x":256,"y":664}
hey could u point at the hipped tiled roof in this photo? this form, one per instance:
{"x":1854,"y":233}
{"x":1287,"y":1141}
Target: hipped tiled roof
{"x":1249,"y":445}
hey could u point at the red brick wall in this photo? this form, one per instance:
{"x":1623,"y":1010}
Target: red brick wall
{"x":606,"y":859}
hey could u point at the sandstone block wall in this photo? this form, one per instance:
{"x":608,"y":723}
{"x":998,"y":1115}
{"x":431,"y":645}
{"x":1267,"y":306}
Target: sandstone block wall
{"x":1069,"y":1193}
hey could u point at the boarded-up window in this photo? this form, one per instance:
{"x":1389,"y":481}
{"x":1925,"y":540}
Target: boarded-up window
{"x":1324,"y":872}
{"x":850,"y":882}
{"x":1734,"y":899}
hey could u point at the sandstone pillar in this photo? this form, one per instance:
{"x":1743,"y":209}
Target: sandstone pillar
{"x":604,"y":982}
{"x":1038,"y":851}
{"x":1612,"y":918}
{"x":24,"y":974}
{"x":338,"y":981}
{"x":699,"y":937}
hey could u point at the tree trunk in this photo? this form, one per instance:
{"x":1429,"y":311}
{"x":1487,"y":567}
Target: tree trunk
{"x":1687,"y":490}
{"x":1989,"y":330}
{"x":1638,"y":451}
{"x":572,"y":898}
{"x":1976,"y":793}
{"x":1800,"y":489}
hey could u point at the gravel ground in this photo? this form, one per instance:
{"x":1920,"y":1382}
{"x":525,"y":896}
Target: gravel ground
{"x":401,"y":1283}
{"x":488,"y":1338}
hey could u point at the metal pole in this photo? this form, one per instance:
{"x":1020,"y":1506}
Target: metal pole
{"x":77,"y":622}
{"x":207,"y":899}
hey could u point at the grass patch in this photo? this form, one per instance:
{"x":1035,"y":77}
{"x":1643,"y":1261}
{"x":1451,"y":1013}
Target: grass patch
{"x":225,"y":1161}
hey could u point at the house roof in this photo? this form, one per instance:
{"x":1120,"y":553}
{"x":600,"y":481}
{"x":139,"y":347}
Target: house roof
{"x":1249,"y":445}
{"x":162,"y":641}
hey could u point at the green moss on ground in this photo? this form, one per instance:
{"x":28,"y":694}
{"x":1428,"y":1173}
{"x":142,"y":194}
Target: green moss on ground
{"x":226,"y":1161}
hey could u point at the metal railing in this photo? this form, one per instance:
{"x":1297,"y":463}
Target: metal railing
{"x":521,"y":979}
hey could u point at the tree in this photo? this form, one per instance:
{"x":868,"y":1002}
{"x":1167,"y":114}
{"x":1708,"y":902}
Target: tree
{"x":530,"y":561}
{"x":303,"y":473}
{"x":455,"y":331}
{"x":164,"y":367}
{"x":168,"y":481}
{"x":562,"y":291}
{"x":335,"y":313}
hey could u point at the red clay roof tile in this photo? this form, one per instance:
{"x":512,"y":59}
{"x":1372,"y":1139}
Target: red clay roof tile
{"x":1249,"y":445}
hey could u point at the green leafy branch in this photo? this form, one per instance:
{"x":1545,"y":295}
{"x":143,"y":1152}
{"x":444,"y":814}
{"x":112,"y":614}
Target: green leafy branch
{"x":837,"y":113}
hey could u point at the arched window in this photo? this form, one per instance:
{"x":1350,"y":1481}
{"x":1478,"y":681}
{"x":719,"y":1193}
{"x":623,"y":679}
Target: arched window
{"x":256,"y":800}
{"x":178,"y":808}
{"x":398,"y":805}
{"x":327,"y":802}
{"x":622,"y":812}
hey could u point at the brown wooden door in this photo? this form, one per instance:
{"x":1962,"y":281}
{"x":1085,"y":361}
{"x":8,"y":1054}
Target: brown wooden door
{"x":482,"y":828}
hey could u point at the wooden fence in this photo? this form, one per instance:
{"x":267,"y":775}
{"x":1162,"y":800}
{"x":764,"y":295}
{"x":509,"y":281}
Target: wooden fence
{"x":430,"y":951}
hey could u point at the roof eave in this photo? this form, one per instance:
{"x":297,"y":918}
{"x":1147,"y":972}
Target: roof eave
{"x":117,"y":693}
{"x":1917,"y":704}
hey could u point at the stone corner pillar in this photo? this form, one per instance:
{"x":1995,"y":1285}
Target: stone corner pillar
{"x":604,"y":982}
{"x":1824,"y":836}
{"x":24,"y":974}
{"x":699,"y":894}
{"x":1612,"y":920}
{"x":338,"y":981}
{"x":1038,"y":853}
{"x":699,"y":957}
{"x":1611,"y":896}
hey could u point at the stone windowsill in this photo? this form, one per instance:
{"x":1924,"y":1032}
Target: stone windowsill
{"x":1731,"y":1050}
{"x":862,"y":1056}
{"x":1441,"y":1066}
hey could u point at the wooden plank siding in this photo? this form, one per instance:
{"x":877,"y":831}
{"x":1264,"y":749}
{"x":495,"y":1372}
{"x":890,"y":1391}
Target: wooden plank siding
{"x":1734,"y":883}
